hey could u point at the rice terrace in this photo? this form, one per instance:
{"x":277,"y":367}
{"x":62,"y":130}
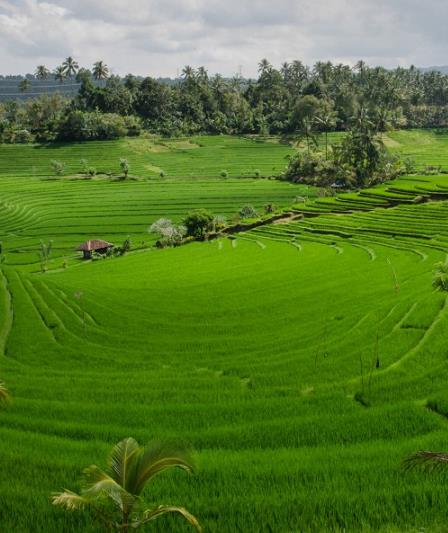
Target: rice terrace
{"x":223,"y":298}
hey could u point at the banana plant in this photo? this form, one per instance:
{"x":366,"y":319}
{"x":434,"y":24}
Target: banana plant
{"x":115,"y":494}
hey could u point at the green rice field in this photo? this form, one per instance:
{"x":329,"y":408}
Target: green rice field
{"x":302,"y":360}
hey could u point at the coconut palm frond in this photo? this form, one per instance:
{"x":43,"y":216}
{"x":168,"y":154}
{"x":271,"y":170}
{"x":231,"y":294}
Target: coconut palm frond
{"x":97,"y":483}
{"x":121,"y":460}
{"x":69,"y":500}
{"x":148,"y":516}
{"x":426,"y":460}
{"x":156,"y":458}
{"x":4,"y":394}
{"x":440,"y":279}
{"x":118,"y":488}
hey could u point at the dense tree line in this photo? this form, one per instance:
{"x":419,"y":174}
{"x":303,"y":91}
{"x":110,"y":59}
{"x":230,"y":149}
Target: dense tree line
{"x":290,"y":100}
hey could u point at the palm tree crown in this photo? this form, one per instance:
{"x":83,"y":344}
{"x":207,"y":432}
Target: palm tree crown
{"x":440,"y":279}
{"x":70,"y":66}
{"x":59,"y":74}
{"x":24,"y":85}
{"x":100,"y":70}
{"x":130,"y":468}
{"x":42,"y":72}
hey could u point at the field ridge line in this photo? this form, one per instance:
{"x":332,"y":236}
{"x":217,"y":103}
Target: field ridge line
{"x":421,"y":342}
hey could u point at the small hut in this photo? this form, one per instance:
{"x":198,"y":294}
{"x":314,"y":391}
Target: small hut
{"x":96,"y":245}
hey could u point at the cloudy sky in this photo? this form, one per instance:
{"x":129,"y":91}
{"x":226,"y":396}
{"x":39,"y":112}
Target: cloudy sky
{"x":158,"y":37}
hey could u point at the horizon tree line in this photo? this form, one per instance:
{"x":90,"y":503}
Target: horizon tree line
{"x":279,"y":102}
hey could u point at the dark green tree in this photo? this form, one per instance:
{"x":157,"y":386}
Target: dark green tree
{"x":198,"y":223}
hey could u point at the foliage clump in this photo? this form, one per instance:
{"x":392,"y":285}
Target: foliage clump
{"x":114,"y":495}
{"x":80,"y":125}
{"x":170,"y":234}
{"x":248,"y":211}
{"x":198,"y":223}
{"x":124,"y":167}
{"x":440,"y":279}
{"x":361,"y":160}
{"x":58,"y":167}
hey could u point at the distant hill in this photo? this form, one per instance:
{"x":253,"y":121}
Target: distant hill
{"x":10,"y":90}
{"x":10,"y":87}
{"x":443,"y":69}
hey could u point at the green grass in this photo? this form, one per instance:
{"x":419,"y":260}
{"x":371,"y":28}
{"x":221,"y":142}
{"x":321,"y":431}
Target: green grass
{"x":249,"y":349}
{"x":70,"y":209}
{"x":423,"y":147}
{"x":197,"y":157}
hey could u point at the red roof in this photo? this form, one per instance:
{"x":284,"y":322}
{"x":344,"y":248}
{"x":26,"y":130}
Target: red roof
{"x":95,"y":244}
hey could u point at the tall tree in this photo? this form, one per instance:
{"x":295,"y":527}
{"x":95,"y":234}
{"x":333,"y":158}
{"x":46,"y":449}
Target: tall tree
{"x":188,"y":72}
{"x":24,"y":86}
{"x":42,"y":72}
{"x":326,"y":118}
{"x":59,"y":74}
{"x":100,"y":70}
{"x":264,"y":66}
{"x":70,"y":67}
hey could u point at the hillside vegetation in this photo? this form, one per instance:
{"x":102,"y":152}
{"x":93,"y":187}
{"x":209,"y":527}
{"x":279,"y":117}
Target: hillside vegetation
{"x":302,"y":360}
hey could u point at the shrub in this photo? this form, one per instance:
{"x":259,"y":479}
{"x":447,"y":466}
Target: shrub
{"x":124,"y":248}
{"x":83,"y":126}
{"x":431,"y":170}
{"x":224,"y":174}
{"x":440,"y":279}
{"x":58,"y":167}
{"x":248,"y":211}
{"x":219,"y":222}
{"x":133,"y":125}
{"x":22,"y":136}
{"x":170,"y":234}
{"x":198,"y":223}
{"x":124,"y":166}
{"x":84,"y":165}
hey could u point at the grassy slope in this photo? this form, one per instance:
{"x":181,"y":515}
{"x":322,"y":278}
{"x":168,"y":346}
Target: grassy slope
{"x":424,"y":147}
{"x":197,"y":157}
{"x":251,"y":351}
{"x":71,"y":209}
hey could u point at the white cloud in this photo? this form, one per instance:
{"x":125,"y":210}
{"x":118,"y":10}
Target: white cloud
{"x":157,"y":37}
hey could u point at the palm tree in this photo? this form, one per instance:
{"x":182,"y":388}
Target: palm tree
{"x":264,"y":66}
{"x":188,"y":72}
{"x":24,"y":85}
{"x":202,"y":74}
{"x":285,"y":70}
{"x":327,"y":120}
{"x":115,"y":494}
{"x":100,"y":70}
{"x":42,"y":72}
{"x":440,"y":279}
{"x":124,"y":165}
{"x":70,"y":66}
{"x":306,"y":131}
{"x":360,"y":66}
{"x":59,"y":74}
